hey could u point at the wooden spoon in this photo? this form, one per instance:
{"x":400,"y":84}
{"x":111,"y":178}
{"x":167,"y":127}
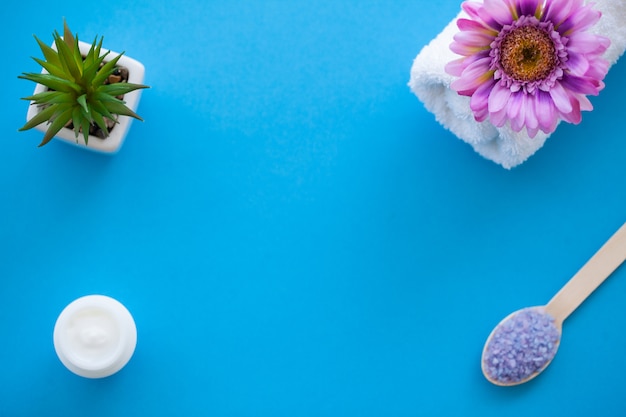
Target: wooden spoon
{"x":524,"y":343}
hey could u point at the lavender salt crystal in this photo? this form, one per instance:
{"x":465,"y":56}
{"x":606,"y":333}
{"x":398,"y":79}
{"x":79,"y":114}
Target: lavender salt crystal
{"x":521,"y":346}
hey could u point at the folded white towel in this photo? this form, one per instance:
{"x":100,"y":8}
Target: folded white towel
{"x":430,"y":82}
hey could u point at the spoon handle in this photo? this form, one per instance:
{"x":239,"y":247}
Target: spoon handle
{"x":589,"y":277}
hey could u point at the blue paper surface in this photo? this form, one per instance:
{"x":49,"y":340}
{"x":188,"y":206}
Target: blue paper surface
{"x":293,"y":233}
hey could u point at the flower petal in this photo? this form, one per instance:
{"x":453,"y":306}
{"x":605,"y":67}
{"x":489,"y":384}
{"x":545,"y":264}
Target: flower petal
{"x":574,"y":116}
{"x":471,"y":8}
{"x":582,"y":85}
{"x":580,"y":19}
{"x":529,"y":7}
{"x":473,"y":39}
{"x":476,"y":12}
{"x":561,"y":98}
{"x":517,"y":122}
{"x":473,"y":77}
{"x":577,"y":64}
{"x":479,"y":101}
{"x":531,"y":121}
{"x":515,"y":103}
{"x":586,"y":43}
{"x":455,"y":67}
{"x":498,"y":118}
{"x":473,"y":25}
{"x":598,"y":69}
{"x":585,"y":104}
{"x":498,"y":98}
{"x":497,"y":10}
{"x":547,"y":115}
{"x":556,"y":11}
{"x":532,"y":132}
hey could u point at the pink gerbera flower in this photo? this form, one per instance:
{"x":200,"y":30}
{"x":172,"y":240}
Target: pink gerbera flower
{"x":529,"y":62}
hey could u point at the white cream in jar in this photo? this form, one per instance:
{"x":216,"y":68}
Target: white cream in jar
{"x":95,"y":336}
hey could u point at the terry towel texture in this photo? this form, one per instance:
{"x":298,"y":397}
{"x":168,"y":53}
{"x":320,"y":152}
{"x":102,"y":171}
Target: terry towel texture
{"x":431,"y":84}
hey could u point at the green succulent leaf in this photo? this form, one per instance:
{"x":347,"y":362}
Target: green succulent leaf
{"x":59,"y":122}
{"x":84,"y":126}
{"x":49,"y":54}
{"x":99,"y":121}
{"x":90,"y":71}
{"x":118,"y":107}
{"x":50,"y":97}
{"x":104,"y":97}
{"x":106,"y":70}
{"x":68,"y":60}
{"x":77,"y":118}
{"x":78,"y":57}
{"x":87,"y":114}
{"x":52,"y":69}
{"x":99,"y":109}
{"x":92,"y":57}
{"x":82,"y":100}
{"x":67,"y":35}
{"x":42,"y":116}
{"x":119,"y":89}
{"x":53,"y":82}
{"x":81,"y":123}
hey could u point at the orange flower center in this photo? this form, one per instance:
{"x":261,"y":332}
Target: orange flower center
{"x":527,"y":54}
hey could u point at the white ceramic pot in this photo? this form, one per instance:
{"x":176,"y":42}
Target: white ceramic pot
{"x":113,"y":142}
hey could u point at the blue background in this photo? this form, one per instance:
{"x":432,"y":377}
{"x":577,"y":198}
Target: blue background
{"x":294,"y":234}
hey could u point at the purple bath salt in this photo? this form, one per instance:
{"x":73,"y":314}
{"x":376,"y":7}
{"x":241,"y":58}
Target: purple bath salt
{"x":521,"y":346}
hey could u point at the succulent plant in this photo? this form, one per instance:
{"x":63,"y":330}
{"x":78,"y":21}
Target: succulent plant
{"x":78,"y":92}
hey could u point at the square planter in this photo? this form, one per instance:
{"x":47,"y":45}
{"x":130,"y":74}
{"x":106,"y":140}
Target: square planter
{"x":112,"y":143}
